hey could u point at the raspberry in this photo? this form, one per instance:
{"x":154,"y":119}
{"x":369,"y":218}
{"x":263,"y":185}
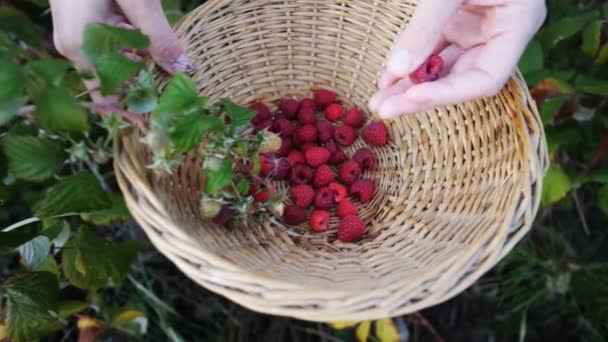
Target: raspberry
{"x":334,"y":112}
{"x":345,"y":136}
{"x":306,"y":133}
{"x":266,"y":164}
{"x":325,"y":131}
{"x":289,"y":107}
{"x":354,"y":118}
{"x":324,"y":199}
{"x":310,"y":103}
{"x":346,"y":208}
{"x":283,"y":127}
{"x":349,"y":171}
{"x":351,"y":228}
{"x":319,"y":220}
{"x":301,"y":174}
{"x":331,"y":146}
{"x":261,"y":195}
{"x":262,"y":113}
{"x":365,"y":158}
{"x":339,"y":190}
{"x":295,"y":157}
{"x":375,"y":133}
{"x":307,"y":146}
{"x":306,"y":115}
{"x":323,"y":176}
{"x":294,"y":215}
{"x":337,"y":158}
{"x":224,"y":216}
{"x":283,"y":166}
{"x":324,"y":97}
{"x":286,"y":147}
{"x":316,"y":156}
{"x":271,"y":143}
{"x":262,"y":125}
{"x":429,"y":70}
{"x":303,"y":195}
{"x":364,"y":189}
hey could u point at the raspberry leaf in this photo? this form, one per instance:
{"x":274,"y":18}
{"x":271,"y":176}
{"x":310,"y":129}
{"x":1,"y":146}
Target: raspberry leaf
{"x":180,"y":95}
{"x":114,"y":70}
{"x":101,"y":39}
{"x":217,"y":179}
{"x":143,"y":96}
{"x":239,"y":116}
{"x":58,"y":110}
{"x":33,"y":158}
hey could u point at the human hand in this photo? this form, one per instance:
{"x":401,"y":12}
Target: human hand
{"x":480,"y":42}
{"x":71,"y":17}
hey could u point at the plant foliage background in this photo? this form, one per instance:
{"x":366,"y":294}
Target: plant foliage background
{"x":86,"y":272}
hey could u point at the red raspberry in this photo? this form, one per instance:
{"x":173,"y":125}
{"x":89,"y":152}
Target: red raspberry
{"x":301,"y":174}
{"x":334,"y":112}
{"x":263,"y":194}
{"x":289,"y":107}
{"x":351,"y":228}
{"x":324,"y":97}
{"x":266,"y":164}
{"x":316,"y":156}
{"x":323,"y":176}
{"x":364,"y":189}
{"x":303,"y":195}
{"x":306,"y":133}
{"x":337,"y":158}
{"x":283,"y":166}
{"x":331,"y":146}
{"x":306,"y":115}
{"x":365,"y":158}
{"x":354,"y":118}
{"x":319,"y":220}
{"x":325,"y":131}
{"x":262,"y":113}
{"x":324,"y":199}
{"x":295,"y":157}
{"x":308,"y":103}
{"x":294,"y":215}
{"x":283,"y":127}
{"x":224,"y":215}
{"x":339,"y":190}
{"x":262,"y":125}
{"x":346,"y":208}
{"x":429,"y":70}
{"x":307,"y":146}
{"x":345,"y":136}
{"x":349,"y":171}
{"x":375,"y":133}
{"x":286,"y":147}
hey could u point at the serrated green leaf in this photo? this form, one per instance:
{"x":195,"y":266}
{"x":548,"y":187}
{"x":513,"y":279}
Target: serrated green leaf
{"x":532,"y":59}
{"x":602,"y":199}
{"x":90,"y":262}
{"x":17,"y":23}
{"x":188,"y":130}
{"x":565,"y":28}
{"x":70,"y":307}
{"x":591,"y":86}
{"x":556,"y":185}
{"x":239,"y":116}
{"x":48,"y":265}
{"x":51,"y":71}
{"x":33,"y":158}
{"x":30,"y":297}
{"x":9,"y":50}
{"x":118,"y":212}
{"x":34,"y":251}
{"x":180,"y":95}
{"x":143,"y":97}
{"x":551,"y":107}
{"x":114,"y":70}
{"x":591,"y":38}
{"x":217,"y":180}
{"x":77,"y":193}
{"x":12,"y":78}
{"x":602,"y":55}
{"x":386,"y":330}
{"x":14,"y":238}
{"x":101,"y":39}
{"x":57,"y":109}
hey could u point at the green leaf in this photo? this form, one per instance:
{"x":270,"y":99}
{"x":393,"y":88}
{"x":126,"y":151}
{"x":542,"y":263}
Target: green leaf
{"x":57,"y":109}
{"x":595,"y":176}
{"x":17,"y":23}
{"x":386,"y":330}
{"x":362,"y":331}
{"x":189,"y":129}
{"x":216,"y":180}
{"x":602,"y":199}
{"x":243,"y":186}
{"x":602,"y":55}
{"x":239,"y":116}
{"x":118,"y":212}
{"x":70,"y":307}
{"x":35,"y":251}
{"x":339,"y":325}
{"x":565,"y":28}
{"x":114,"y":70}
{"x":90,"y":262}
{"x":48,"y":265}
{"x":532,"y":59}
{"x":591,"y":86}
{"x":30,"y":297}
{"x":556,"y":185}
{"x":558,"y":137}
{"x":52,"y":71}
{"x":101,"y":39}
{"x":179,"y":95}
{"x":77,"y":193}
{"x":126,"y":317}
{"x":551,"y":107}
{"x":12,"y":78}
{"x":143,"y":97}
{"x":591,"y":38}
{"x":14,"y":238}
{"x":33,"y":158}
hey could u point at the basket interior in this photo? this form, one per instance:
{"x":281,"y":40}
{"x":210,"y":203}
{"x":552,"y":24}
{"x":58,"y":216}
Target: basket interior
{"x":446,"y":182}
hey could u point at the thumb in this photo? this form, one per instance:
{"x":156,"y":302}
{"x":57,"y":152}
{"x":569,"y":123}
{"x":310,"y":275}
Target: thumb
{"x":165,"y":47}
{"x":421,"y":36}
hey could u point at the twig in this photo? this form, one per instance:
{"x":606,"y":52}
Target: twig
{"x":580,"y":211}
{"x":417,"y":318}
{"x":105,"y":108}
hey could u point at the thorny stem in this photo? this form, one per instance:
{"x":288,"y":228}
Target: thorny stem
{"x":104,"y":110}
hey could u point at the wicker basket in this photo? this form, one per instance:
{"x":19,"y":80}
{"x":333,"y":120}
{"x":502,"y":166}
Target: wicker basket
{"x":458,"y":187}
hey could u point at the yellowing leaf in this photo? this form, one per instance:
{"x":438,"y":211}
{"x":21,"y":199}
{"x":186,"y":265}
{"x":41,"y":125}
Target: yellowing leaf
{"x":343,"y":324}
{"x":556,"y":186}
{"x":386,"y":330}
{"x":126,"y":317}
{"x":3,"y":332}
{"x":363,"y":331}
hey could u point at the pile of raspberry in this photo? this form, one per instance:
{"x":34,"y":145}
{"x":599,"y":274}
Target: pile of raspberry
{"x":321,"y":176}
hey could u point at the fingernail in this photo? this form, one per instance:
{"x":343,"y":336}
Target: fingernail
{"x":400,"y":62}
{"x":182,"y":64}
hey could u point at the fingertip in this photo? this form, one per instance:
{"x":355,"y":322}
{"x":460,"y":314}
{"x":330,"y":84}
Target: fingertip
{"x":387,"y":79}
{"x":400,"y":62}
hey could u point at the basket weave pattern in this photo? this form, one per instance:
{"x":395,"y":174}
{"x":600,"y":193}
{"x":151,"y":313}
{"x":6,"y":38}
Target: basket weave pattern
{"x":458,"y":187}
